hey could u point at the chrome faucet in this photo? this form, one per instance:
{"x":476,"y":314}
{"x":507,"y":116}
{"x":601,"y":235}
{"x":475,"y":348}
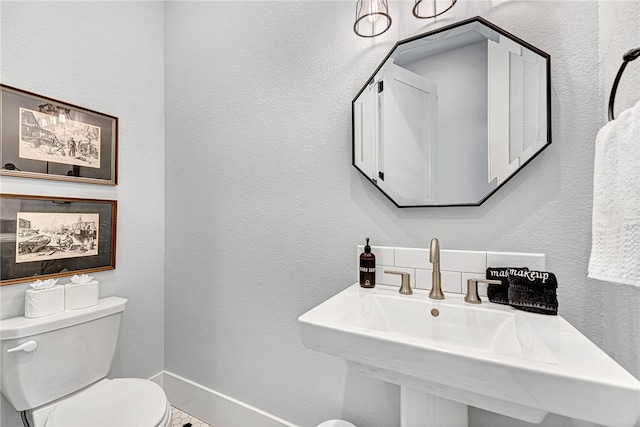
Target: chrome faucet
{"x":434,"y":258}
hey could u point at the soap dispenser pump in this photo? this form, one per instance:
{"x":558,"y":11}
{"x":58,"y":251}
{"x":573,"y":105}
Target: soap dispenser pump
{"x":367,"y":267}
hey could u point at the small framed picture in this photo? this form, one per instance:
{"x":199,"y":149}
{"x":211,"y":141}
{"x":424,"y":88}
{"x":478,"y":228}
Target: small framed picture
{"x":45,"y":138}
{"x":49,"y":237}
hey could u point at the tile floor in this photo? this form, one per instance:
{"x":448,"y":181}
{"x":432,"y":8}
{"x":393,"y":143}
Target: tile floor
{"x":182,"y":419}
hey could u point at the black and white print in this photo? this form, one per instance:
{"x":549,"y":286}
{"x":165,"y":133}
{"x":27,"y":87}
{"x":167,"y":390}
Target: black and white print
{"x":45,"y":236}
{"x":58,"y":139}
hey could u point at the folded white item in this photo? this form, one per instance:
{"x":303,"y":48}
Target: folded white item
{"x":81,"y":295}
{"x":615,"y":251}
{"x":43,"y":284}
{"x":44,"y":302}
{"x":83,"y":278}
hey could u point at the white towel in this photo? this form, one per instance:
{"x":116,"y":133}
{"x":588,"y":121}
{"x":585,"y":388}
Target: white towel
{"x":615,"y":250}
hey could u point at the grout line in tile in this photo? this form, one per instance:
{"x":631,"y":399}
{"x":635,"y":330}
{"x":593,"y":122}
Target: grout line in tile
{"x":179,"y":418}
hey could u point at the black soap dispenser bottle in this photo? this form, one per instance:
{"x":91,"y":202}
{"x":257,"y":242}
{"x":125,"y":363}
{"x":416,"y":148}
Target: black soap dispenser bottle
{"x":367,"y":267}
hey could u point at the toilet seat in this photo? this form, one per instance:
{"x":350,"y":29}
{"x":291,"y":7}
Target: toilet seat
{"x":336,"y":423}
{"x":122,"y":402}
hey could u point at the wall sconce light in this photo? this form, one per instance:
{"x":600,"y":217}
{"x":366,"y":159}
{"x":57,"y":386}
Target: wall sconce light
{"x":373,"y":19}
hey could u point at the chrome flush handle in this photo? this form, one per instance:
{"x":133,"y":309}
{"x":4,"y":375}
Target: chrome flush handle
{"x":27,"y":347}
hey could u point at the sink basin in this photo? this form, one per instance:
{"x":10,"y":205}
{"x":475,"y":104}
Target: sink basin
{"x":454,"y":354}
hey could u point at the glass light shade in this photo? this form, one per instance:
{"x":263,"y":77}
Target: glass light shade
{"x":372,"y":18}
{"x":424,"y":9}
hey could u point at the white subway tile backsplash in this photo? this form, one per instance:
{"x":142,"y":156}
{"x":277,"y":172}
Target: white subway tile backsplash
{"x":482,"y":290}
{"x":412,"y":257}
{"x":423,"y":279}
{"x":473,"y":261}
{"x":540,"y":264}
{"x":455,"y":266}
{"x":515,"y":259}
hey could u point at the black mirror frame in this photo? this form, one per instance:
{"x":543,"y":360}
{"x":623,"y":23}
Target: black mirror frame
{"x":499,"y":30}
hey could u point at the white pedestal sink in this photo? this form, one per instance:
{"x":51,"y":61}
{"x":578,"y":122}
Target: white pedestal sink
{"x":446,"y":355}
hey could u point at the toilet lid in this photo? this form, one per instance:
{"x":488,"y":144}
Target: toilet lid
{"x":117,"y":403}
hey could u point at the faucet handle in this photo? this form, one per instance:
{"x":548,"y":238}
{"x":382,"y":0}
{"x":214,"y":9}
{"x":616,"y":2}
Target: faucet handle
{"x":405,"y":289}
{"x":472,"y":296}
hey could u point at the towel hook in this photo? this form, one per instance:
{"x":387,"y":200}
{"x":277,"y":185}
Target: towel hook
{"x":626,"y":58}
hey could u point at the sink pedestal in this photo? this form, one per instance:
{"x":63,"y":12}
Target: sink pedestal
{"x":426,"y":410}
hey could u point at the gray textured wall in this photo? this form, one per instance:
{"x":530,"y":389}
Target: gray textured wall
{"x":263,"y":207}
{"x":107,"y":57}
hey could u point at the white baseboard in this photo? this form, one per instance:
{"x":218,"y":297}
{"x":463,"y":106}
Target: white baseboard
{"x":212,"y":407}
{"x":157,"y":378}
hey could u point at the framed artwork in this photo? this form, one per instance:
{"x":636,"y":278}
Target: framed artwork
{"x":45,"y":138}
{"x":47,"y":237}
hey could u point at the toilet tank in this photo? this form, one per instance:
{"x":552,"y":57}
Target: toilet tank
{"x":73,"y":349}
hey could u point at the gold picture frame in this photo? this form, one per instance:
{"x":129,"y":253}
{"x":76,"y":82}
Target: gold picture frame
{"x":45,"y":237}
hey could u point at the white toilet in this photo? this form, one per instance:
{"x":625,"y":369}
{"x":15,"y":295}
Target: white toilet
{"x":336,"y":423}
{"x":54,"y":369}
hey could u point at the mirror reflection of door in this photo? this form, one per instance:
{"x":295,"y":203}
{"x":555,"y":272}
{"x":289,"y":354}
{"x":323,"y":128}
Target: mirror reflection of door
{"x":449,"y":116}
{"x":365,"y":131}
{"x":408,"y":110}
{"x":517,"y":108}
{"x":395,"y":122}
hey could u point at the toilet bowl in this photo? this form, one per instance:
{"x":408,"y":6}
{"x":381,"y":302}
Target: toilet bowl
{"x":54,"y":369}
{"x":120,"y":402}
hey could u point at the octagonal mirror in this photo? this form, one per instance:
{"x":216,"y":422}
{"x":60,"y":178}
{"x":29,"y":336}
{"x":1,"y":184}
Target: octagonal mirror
{"x":449,"y":116}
